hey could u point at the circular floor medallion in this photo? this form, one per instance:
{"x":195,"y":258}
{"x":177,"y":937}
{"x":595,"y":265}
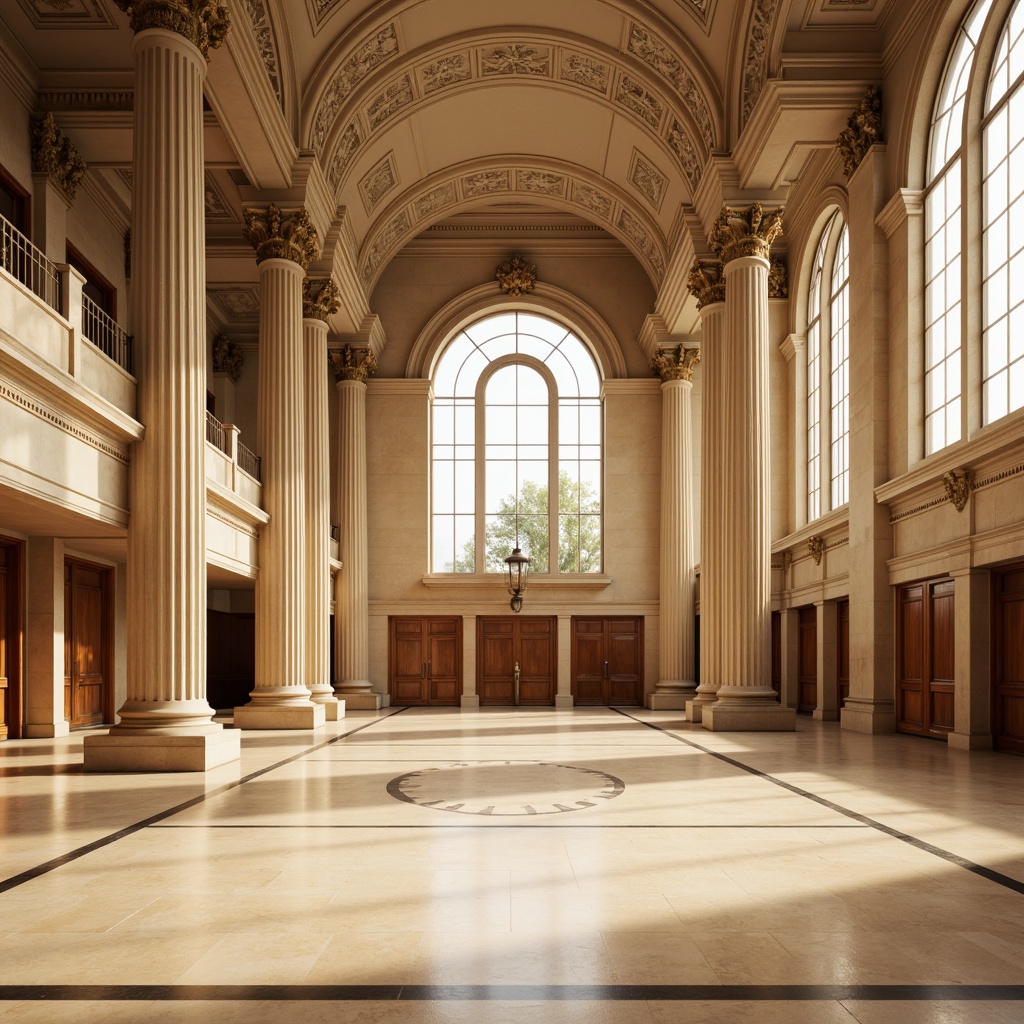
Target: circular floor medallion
{"x":503,"y":788}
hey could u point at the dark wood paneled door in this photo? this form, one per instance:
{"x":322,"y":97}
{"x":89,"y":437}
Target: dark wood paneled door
{"x":87,"y":696}
{"x":807,"y":659}
{"x":425,"y":660}
{"x":843,"y":650}
{"x":1008,"y":659}
{"x":10,"y":641}
{"x":607,"y":660}
{"x":527,"y":643}
{"x":925,"y":658}
{"x":777,"y":654}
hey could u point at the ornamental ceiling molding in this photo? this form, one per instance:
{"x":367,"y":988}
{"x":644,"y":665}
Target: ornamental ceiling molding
{"x":68,"y":14}
{"x":266,"y":45}
{"x":378,"y":181}
{"x":755,"y":64}
{"x":572,"y":190}
{"x":357,"y":105}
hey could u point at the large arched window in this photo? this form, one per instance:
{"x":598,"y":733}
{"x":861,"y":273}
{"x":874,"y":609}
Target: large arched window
{"x":828,"y":372}
{"x":516,"y":448}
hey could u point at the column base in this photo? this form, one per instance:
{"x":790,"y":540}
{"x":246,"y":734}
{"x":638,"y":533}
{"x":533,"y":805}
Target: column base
{"x":364,"y":701}
{"x":40,"y":731}
{"x":869,"y":716}
{"x":470,"y":702}
{"x":668,"y":700}
{"x":280,"y":716}
{"x":141,"y":751}
{"x":823,"y":715}
{"x":334,"y":710}
{"x":695,"y":708}
{"x":566,"y":701}
{"x":970,"y":740}
{"x":722,"y":717}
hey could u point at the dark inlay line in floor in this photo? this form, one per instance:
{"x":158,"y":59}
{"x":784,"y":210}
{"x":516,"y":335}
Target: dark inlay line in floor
{"x":513,"y":993}
{"x":465,"y":825}
{"x":1007,"y":881}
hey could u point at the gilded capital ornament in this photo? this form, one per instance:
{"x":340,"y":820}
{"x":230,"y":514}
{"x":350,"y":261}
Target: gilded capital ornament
{"x":816,"y":546}
{"x":706,"y":282}
{"x":747,"y":232}
{"x":676,"y":366}
{"x":778,"y":278}
{"x":516,"y":276}
{"x":320,"y":298}
{"x":352,"y":363}
{"x":227,"y":357}
{"x":203,"y":23}
{"x":54,"y":155}
{"x":958,"y":487}
{"x":862,"y":131}
{"x":278,"y":234}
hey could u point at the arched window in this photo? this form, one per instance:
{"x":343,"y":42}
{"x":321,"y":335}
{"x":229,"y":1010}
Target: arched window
{"x":828,"y":372}
{"x":516,"y":448}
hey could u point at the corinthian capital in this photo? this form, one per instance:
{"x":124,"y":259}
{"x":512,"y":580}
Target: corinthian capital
{"x":747,"y":232}
{"x":676,"y":366}
{"x":202,"y":22}
{"x":862,"y":131}
{"x":706,"y":282}
{"x":320,"y":298}
{"x":279,"y":234}
{"x":352,"y":363}
{"x":54,"y":155}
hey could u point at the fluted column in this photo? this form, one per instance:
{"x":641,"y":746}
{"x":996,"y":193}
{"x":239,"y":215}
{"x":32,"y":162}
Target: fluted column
{"x":285,"y":242}
{"x":351,"y":605}
{"x":746,"y":700}
{"x":319,"y":301}
{"x":675,"y":645}
{"x":707,"y":284}
{"x":166,"y":723}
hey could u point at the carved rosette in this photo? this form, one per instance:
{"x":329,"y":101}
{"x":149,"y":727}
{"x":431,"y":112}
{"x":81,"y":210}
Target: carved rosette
{"x":706,"y":282}
{"x":676,"y":366}
{"x":203,"y":23}
{"x":816,"y":546}
{"x":778,"y":278}
{"x":862,"y":131}
{"x":278,"y":234}
{"x":958,"y":487}
{"x":228,"y":357}
{"x":320,"y":298}
{"x":352,"y":363}
{"x":54,"y":155}
{"x":749,"y":232}
{"x":516,"y":276}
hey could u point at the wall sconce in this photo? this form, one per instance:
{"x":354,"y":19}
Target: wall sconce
{"x":518,"y":569}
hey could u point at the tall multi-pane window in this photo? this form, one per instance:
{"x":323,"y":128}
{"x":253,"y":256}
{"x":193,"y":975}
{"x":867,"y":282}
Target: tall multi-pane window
{"x":1002,"y":342}
{"x":828,"y":372}
{"x":943,"y":242}
{"x":516,"y":448}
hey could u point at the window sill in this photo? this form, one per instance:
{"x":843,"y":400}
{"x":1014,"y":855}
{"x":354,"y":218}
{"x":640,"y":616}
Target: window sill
{"x":490,"y":580}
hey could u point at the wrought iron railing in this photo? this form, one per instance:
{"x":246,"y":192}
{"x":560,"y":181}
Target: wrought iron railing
{"x":215,"y":433}
{"x":20,"y":258}
{"x":249,"y":462}
{"x":103,"y":331}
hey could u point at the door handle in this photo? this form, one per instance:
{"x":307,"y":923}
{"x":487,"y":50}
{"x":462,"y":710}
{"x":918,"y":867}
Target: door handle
{"x":515,"y":679}
{"x":606,"y":670}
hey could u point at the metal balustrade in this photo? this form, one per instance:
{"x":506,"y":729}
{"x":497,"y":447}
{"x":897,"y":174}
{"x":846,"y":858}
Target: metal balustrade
{"x":215,"y":433}
{"x":249,"y":462}
{"x":23,"y":261}
{"x":103,"y":331}
{"x":221,"y":438}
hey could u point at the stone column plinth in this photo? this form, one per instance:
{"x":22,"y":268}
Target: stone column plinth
{"x":285,"y":242}
{"x":319,"y":300}
{"x":746,"y":700}
{"x":351,"y":606}
{"x":676,"y":684}
{"x":166,"y":723}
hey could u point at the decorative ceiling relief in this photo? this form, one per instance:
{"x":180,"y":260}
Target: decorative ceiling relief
{"x":239,"y":303}
{"x":371,"y":53}
{"x":755,"y":67}
{"x":444,"y":71}
{"x":647,"y":179}
{"x":396,"y":94}
{"x":378,"y":181}
{"x":680,"y":144}
{"x":343,"y":154}
{"x":643,"y":103}
{"x":216,"y":205}
{"x":439,"y":199}
{"x":263,"y":33}
{"x":86,"y":99}
{"x":515,"y":59}
{"x":583,"y":70}
{"x":65,"y":14}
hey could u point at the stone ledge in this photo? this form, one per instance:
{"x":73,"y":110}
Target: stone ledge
{"x":761,"y":718}
{"x":283,"y":716}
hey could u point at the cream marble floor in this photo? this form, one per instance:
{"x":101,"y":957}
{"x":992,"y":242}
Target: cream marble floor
{"x":729,"y":878}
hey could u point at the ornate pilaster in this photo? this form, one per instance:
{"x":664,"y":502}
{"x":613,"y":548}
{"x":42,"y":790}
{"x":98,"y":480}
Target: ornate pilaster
{"x":351,"y":606}
{"x":285,"y":242}
{"x":166,"y":723}
{"x":676,"y":637}
{"x":746,"y":700}
{"x":319,"y":300}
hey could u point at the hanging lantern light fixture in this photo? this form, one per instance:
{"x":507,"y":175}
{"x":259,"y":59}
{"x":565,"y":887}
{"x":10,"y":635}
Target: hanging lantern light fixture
{"x":518,"y":569}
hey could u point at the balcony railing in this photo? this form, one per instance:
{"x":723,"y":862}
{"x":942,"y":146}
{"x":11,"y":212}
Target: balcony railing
{"x":103,"y":331}
{"x":20,"y":258}
{"x":215,"y":433}
{"x":249,"y":462}
{"x":223,"y":438}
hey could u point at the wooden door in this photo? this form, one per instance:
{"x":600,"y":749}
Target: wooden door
{"x":807,"y":660}
{"x":607,"y":660}
{"x":843,"y":650}
{"x":504,"y":642}
{"x":1008,"y":660}
{"x":777,"y":654}
{"x":230,"y":658}
{"x":925,"y":658}
{"x":10,"y":641}
{"x":425,"y":660}
{"x":87,"y":696}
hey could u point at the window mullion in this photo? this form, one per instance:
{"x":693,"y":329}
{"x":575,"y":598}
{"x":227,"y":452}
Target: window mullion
{"x":554,"y":562}
{"x":480,"y":481}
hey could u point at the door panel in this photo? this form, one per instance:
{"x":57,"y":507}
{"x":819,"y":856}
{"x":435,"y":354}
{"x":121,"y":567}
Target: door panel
{"x":425,"y":666}
{"x":941,"y":649}
{"x":607,"y":660}
{"x":10,"y":641}
{"x":1008,"y":660}
{"x":87,"y":644}
{"x":843,"y":650}
{"x":504,"y":642}
{"x":925,"y":658}
{"x":807,"y":664}
{"x":910,"y":660}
